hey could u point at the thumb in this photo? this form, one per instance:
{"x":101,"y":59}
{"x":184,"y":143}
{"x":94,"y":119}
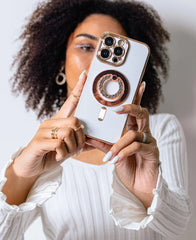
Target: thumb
{"x":70,"y":104}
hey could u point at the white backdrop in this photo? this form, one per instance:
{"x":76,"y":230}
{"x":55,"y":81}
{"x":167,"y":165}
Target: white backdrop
{"x":17,"y":126}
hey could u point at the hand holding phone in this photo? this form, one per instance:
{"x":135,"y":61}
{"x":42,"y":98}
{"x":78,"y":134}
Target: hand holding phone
{"x":114,"y":76}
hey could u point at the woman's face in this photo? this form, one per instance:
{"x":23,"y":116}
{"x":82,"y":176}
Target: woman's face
{"x":83,"y":42}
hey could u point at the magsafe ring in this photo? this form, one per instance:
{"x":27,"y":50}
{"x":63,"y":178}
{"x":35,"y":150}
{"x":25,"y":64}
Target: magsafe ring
{"x":100,"y":92}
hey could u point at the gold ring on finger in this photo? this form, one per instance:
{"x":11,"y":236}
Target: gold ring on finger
{"x":80,"y":127}
{"x":54,"y":133}
{"x":75,"y":96}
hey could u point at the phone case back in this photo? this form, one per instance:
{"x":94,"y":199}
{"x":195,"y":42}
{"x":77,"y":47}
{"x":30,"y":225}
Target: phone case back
{"x":109,"y":128}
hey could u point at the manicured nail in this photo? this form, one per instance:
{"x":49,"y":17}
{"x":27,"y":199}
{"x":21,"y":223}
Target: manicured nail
{"x":144,"y":84}
{"x":107,"y":156}
{"x":82,"y":74}
{"x":59,"y":159}
{"x":114,"y":160}
{"x":118,"y":109}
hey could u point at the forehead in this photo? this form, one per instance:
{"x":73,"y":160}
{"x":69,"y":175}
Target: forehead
{"x":96,"y":24}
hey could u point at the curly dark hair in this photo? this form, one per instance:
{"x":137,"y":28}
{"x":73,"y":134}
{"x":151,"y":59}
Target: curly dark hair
{"x":45,"y":39}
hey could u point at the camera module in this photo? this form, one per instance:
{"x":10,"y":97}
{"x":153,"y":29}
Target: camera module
{"x":105,"y":53}
{"x":118,"y":51}
{"x":109,"y":41}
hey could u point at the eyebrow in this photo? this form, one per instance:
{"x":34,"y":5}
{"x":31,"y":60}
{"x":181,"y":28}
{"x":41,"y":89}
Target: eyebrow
{"x":88,"y":36}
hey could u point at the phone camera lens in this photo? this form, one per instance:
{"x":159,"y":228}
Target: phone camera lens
{"x":105,"y":53}
{"x":109,"y":41}
{"x":115,"y":59}
{"x":118,"y":51}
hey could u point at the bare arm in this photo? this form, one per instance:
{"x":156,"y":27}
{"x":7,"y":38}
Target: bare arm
{"x":17,"y":187}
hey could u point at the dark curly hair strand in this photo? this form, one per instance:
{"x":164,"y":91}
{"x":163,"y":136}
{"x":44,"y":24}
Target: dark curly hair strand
{"x":44,"y":45}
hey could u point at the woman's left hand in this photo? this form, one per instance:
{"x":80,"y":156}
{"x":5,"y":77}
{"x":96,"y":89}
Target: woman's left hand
{"x":136,"y":155}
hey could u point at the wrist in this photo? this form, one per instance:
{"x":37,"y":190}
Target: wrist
{"x":16,"y":187}
{"x":22,"y":170}
{"x":146,"y":195}
{"x":18,"y":176}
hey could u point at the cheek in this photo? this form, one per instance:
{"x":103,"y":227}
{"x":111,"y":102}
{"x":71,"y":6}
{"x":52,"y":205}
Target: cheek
{"x":72,"y":68}
{"x":79,"y":62}
{"x":75,"y":63}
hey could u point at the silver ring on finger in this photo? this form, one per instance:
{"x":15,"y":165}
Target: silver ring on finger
{"x":144,"y":137}
{"x":54,"y":133}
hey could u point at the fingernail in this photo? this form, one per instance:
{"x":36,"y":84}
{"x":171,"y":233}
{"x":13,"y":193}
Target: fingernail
{"x":114,"y":160}
{"x":81,"y":75}
{"x":118,"y":109}
{"x":144,"y":84}
{"x":107,"y":156}
{"x":58,"y":159}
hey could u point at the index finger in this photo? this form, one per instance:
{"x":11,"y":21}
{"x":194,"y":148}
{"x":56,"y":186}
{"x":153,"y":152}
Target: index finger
{"x":72,"y":101}
{"x":140,"y":114}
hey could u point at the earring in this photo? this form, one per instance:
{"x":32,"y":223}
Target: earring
{"x":61,"y":78}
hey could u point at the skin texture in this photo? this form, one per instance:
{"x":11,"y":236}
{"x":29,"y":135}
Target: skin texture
{"x":137,"y":165}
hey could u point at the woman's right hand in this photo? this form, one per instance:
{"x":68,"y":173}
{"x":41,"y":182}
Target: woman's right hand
{"x":44,"y":153}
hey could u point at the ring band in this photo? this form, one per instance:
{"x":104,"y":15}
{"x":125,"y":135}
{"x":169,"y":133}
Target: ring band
{"x":144,"y":137}
{"x":77,"y":97}
{"x":54,"y":132}
{"x":80,"y":127}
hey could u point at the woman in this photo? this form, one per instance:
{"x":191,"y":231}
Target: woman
{"x":61,"y":174}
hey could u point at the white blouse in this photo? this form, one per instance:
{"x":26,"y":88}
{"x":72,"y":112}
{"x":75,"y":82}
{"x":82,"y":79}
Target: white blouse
{"x":82,"y":201}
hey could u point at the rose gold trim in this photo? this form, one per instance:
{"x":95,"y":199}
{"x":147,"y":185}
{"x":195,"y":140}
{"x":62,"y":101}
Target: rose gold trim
{"x":103,"y":101}
{"x":144,"y":69}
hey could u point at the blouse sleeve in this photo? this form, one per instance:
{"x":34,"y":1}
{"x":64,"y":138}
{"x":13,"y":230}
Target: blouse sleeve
{"x":14,"y":220}
{"x":171,"y":207}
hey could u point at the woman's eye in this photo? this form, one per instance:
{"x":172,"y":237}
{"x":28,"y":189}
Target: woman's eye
{"x":86,"y":48}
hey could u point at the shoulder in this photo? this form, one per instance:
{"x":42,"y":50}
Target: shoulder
{"x":164,"y":124}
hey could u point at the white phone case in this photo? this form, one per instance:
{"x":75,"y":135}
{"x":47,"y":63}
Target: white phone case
{"x":105,"y":81}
